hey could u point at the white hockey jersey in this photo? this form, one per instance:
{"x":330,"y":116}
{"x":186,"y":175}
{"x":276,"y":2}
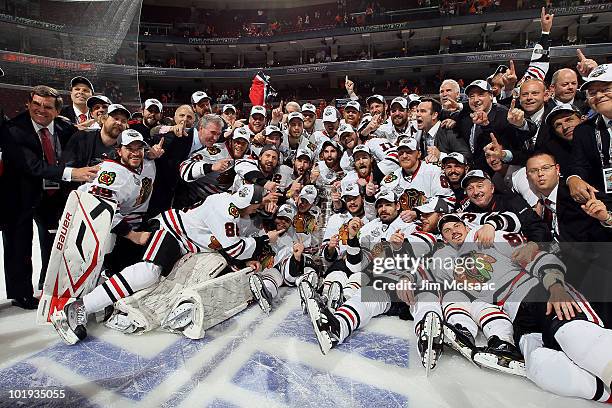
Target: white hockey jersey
{"x":327,"y":175}
{"x":129,"y":188}
{"x":214,"y":224}
{"x":426,"y":182}
{"x":192,"y":170}
{"x":489,"y":274}
{"x":283,"y":175}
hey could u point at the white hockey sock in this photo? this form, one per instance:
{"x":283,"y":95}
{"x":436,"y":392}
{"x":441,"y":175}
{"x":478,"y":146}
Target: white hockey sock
{"x":589,"y":346}
{"x":495,"y":322}
{"x":425,"y":302}
{"x":353,"y":284}
{"x":272,"y":279}
{"x":334,"y":276}
{"x":132,"y":279}
{"x":458,"y":313}
{"x":553,"y":371}
{"x":356,"y":313}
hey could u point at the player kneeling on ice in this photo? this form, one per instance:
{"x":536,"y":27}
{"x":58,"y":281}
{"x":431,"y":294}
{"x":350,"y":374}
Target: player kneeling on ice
{"x":566,"y":348}
{"x":208,"y":227}
{"x":288,"y":264}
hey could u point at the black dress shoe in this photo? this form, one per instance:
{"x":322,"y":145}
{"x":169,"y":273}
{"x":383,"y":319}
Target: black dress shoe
{"x":26,"y":302}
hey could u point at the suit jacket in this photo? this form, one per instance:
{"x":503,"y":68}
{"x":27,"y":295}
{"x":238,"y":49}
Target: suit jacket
{"x":68,"y":112}
{"x":511,"y":138}
{"x":24,"y":165}
{"x":542,"y":138}
{"x":176,"y":149}
{"x":448,"y":141}
{"x":586,"y":161}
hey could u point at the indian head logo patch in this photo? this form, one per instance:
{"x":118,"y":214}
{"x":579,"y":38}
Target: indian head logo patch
{"x":107,"y":178}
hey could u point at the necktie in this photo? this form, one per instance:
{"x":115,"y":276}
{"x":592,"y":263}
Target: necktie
{"x":82,"y":118}
{"x":47,"y":145}
{"x":473,"y":138}
{"x":548,"y":214}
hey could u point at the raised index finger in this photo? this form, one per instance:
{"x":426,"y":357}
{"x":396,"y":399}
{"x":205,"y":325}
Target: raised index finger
{"x":512,"y":104}
{"x":512,"y":71}
{"x":581,"y":56}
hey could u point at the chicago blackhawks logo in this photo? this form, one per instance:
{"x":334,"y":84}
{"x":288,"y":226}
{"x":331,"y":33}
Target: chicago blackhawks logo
{"x":411,"y":198}
{"x":390,"y":178}
{"x":233,"y":211}
{"x":107,"y":178}
{"x":213,"y":150}
{"x":474,"y":268}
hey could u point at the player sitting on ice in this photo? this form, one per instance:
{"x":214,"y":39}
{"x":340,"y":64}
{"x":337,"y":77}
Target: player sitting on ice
{"x":286,"y":264}
{"x":211,"y":226}
{"x":567,"y":351}
{"x":335,"y":243}
{"x":381,"y":238}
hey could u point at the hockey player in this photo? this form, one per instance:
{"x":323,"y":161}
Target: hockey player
{"x":306,"y":220}
{"x":209,"y":226}
{"x":210,"y":170}
{"x":416,"y":181}
{"x":294,"y":137}
{"x":365,"y":168}
{"x":352,"y":113}
{"x":272,"y":136}
{"x":385,"y":234}
{"x":264,"y":171}
{"x":348,"y":140}
{"x":288,"y":261}
{"x":128,"y":181}
{"x":329,"y":167}
{"x":377,"y":108}
{"x":567,"y":351}
{"x":455,"y":168}
{"x":311,"y":124}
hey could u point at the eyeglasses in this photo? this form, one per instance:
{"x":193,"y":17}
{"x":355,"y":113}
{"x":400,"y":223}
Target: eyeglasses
{"x":543,"y":169}
{"x":591,"y":94}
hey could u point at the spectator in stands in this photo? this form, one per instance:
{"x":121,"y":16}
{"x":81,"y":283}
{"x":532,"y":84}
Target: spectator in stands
{"x":80,"y":90}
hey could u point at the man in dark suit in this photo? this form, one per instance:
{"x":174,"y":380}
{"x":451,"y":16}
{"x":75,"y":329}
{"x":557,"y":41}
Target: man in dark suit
{"x":77,"y":112}
{"x":579,"y":230}
{"x":561,"y":122}
{"x":564,"y":89}
{"x":436,"y":141}
{"x":534,"y":103}
{"x":178,"y":144}
{"x":591,"y":148}
{"x":32,"y":146}
{"x":483,"y":118}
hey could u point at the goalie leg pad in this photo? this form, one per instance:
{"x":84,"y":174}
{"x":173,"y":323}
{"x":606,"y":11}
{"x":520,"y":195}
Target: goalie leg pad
{"x":214,"y":301}
{"x":149,"y":307}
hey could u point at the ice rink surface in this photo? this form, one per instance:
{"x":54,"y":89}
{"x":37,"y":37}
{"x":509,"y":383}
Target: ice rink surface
{"x":251,"y":360}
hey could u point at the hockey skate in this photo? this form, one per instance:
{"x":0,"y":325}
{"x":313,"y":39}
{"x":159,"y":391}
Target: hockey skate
{"x":324,"y":323}
{"x":306,"y":288}
{"x":501,"y":356}
{"x":460,"y":339}
{"x":431,"y":339}
{"x":70,"y":322}
{"x":335,"y":296}
{"x":263,"y":296}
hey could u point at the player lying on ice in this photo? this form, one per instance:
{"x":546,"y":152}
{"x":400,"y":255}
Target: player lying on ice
{"x":210,"y":226}
{"x":567,"y":351}
{"x":382,"y":237}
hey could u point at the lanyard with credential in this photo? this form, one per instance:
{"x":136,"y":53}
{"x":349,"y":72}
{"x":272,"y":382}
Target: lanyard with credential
{"x":600,"y":148}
